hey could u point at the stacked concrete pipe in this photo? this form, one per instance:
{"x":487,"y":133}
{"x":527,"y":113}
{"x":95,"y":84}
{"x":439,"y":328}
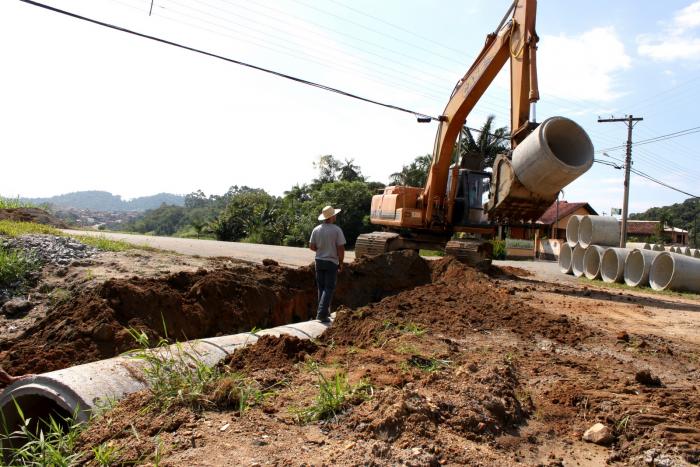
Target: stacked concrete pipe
{"x":592,"y":260}
{"x":658,"y":247}
{"x":639,"y":245}
{"x":637,"y":267}
{"x":599,"y":230}
{"x":686,"y":251}
{"x":696,"y":253}
{"x":565,"y":258}
{"x":572,"y":230}
{"x":612,"y":267}
{"x":81,"y":389}
{"x":675,"y":272}
{"x":577,"y":260}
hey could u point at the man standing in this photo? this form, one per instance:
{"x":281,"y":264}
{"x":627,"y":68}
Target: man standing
{"x":328,"y":241}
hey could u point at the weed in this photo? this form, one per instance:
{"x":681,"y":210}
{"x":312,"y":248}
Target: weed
{"x":406,"y":349}
{"x":428,"y":364}
{"x":621,"y":425}
{"x":334,"y":395}
{"x":412,"y":328}
{"x":311,"y":366}
{"x":105,"y":454}
{"x":235,"y":391}
{"x":14,"y":203}
{"x":158,"y":453}
{"x":15,"y":268}
{"x":59,"y":296}
{"x":42,"y":442}
{"x":15,"y":229}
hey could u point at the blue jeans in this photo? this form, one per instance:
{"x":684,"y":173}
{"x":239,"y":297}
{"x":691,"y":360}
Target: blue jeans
{"x":326,"y":277}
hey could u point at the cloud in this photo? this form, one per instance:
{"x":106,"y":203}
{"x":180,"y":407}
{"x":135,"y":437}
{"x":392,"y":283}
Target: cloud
{"x":582,"y":67}
{"x":679,"y":39}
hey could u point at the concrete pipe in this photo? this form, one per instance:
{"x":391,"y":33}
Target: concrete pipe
{"x":552,"y":156}
{"x":572,"y":230}
{"x":657,"y":247}
{"x":565,"y":257}
{"x":687,"y":251}
{"x":612,"y":268}
{"x":81,"y":389}
{"x":637,"y":267}
{"x":599,"y":230}
{"x":592,"y":260}
{"x":577,"y":260}
{"x":675,"y":272}
{"x":638,"y":245}
{"x":696,"y":253}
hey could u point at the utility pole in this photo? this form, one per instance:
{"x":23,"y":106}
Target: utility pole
{"x":631,"y":121}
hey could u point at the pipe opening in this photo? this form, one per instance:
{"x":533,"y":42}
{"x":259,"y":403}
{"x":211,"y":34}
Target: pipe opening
{"x":661,"y":272}
{"x":634,"y":268}
{"x":36,"y":408}
{"x":577,"y":261}
{"x":572,"y":230}
{"x":565,"y":259}
{"x":568,"y":142}
{"x":591,"y":260}
{"x":610,"y":266}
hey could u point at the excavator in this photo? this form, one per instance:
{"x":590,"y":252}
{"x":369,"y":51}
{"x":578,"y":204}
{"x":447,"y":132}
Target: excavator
{"x":466,"y":197}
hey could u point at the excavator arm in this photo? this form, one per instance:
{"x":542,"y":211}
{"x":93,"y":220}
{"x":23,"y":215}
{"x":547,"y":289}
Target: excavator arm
{"x":514,"y":39}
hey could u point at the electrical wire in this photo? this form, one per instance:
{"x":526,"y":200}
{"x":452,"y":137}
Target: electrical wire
{"x":646,"y":176}
{"x":656,"y":139}
{"x":231,"y":60}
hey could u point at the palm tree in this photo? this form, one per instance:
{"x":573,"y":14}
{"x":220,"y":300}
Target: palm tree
{"x":491,"y":142}
{"x":413,"y":174}
{"x":350,"y":172}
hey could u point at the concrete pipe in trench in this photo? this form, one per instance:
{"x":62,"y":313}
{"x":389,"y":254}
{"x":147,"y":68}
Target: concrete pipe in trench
{"x":565,"y":257}
{"x":577,"y":260}
{"x":675,"y":272}
{"x":572,"y":230}
{"x":592,"y":260}
{"x":637,"y":267}
{"x":555,"y":154}
{"x":612,"y":267}
{"x":81,"y":389}
{"x":599,"y":230}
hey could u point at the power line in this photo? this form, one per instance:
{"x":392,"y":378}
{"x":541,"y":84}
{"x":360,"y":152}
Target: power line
{"x":231,"y":60}
{"x":646,"y":176}
{"x":655,"y":139}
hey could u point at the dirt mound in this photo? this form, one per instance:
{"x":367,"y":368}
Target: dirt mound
{"x":270,"y":352}
{"x":196,"y":305}
{"x":36,"y":215}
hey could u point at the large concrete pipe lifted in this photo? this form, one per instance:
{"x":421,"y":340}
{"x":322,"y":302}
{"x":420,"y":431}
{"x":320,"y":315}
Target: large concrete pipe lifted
{"x":592,"y":260}
{"x":577,"y":260}
{"x":555,"y":154}
{"x":675,"y":272}
{"x":637,"y":267}
{"x":599,"y":230}
{"x":638,"y":245}
{"x":81,"y":389}
{"x":612,"y":267}
{"x":572,"y":230}
{"x":565,"y":257}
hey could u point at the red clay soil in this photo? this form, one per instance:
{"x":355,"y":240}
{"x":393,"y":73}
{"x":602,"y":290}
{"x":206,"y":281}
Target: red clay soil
{"x":92,"y":326}
{"x":36,"y":215}
{"x":465,"y":370}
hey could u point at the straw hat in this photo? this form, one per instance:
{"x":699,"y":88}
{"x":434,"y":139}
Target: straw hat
{"x":327,"y":213}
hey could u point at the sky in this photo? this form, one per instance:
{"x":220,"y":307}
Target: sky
{"x":83,"y":107}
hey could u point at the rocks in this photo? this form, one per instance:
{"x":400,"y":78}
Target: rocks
{"x":51,"y":249}
{"x":599,"y":434}
{"x":646,"y":378}
{"x":16,"y":307}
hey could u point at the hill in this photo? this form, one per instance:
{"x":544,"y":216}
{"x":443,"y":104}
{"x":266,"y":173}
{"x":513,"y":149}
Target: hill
{"x":105,"y":201}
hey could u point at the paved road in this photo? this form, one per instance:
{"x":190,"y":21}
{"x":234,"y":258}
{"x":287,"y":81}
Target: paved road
{"x":289,"y":256}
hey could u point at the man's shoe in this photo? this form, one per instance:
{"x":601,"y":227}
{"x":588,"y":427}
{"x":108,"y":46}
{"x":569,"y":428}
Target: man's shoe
{"x":324,"y":319}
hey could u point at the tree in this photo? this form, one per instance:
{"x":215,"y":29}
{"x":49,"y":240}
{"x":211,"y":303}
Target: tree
{"x":491,"y":142}
{"x":350,"y":172}
{"x":248,"y":212}
{"x":196,"y":199}
{"x":328,"y":167}
{"x":413,"y":174}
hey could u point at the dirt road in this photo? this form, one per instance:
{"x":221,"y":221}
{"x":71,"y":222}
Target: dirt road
{"x":288,"y":256}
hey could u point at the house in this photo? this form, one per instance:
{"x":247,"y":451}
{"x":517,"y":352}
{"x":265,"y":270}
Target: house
{"x":552,"y":224}
{"x":648,"y":231}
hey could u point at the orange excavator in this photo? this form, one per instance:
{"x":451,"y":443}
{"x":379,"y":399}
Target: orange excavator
{"x":466,"y":197}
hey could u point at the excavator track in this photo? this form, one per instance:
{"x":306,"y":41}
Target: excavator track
{"x":472,"y":252}
{"x":375,"y":243}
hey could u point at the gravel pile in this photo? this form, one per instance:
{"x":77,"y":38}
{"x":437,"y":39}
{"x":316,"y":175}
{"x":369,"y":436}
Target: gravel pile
{"x":50,"y":249}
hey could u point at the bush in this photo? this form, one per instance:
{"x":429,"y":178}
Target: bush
{"x":15,"y":268}
{"x":499,"y":249}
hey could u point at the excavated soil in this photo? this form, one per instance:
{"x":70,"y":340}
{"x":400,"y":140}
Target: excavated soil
{"x":36,"y":215}
{"x":192,"y":305}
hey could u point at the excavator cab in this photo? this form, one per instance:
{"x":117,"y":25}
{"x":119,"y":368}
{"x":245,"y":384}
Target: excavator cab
{"x":471,"y":193}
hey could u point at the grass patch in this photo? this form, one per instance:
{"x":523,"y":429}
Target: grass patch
{"x":42,"y":442}
{"x":412,"y":328}
{"x":15,"y":268}
{"x":427,"y":364}
{"x":103,"y":243}
{"x":645,"y":290}
{"x":15,"y":229}
{"x":431,"y":253}
{"x":14,"y":203}
{"x":106,"y":454}
{"x":334,"y":397}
